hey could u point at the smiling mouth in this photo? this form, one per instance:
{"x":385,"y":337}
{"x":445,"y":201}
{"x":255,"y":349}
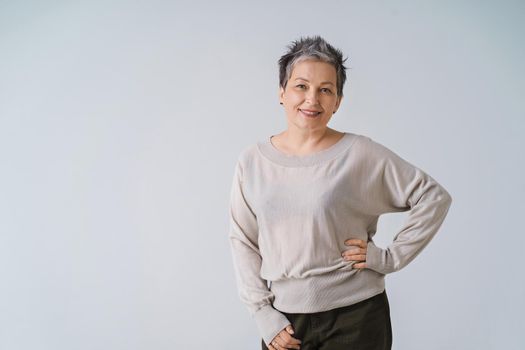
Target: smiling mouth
{"x":309,"y":113}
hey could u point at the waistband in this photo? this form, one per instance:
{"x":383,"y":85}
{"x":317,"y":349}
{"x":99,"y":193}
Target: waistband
{"x":326,"y":291}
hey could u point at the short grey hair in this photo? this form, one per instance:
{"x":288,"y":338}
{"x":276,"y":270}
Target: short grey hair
{"x":312,"y":48}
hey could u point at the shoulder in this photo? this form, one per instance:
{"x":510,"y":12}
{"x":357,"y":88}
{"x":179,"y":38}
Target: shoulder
{"x":365,"y":146}
{"x":367,"y":141}
{"x":247,"y":157}
{"x":373,"y":154}
{"x":247,"y":154}
{"x":372,"y":147}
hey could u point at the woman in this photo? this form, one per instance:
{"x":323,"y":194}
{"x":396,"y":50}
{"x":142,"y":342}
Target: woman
{"x":304,"y":208}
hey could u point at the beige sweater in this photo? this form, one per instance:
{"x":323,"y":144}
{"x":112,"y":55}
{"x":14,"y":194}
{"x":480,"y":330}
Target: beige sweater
{"x":290,"y":216}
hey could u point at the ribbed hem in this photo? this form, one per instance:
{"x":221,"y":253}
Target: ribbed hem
{"x":267,"y":149}
{"x":327,"y":291}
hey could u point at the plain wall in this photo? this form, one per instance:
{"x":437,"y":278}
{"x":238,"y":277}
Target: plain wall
{"x":120,"y":125}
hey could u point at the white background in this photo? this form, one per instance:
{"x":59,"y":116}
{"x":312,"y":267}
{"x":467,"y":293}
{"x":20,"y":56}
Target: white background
{"x":121,"y":121}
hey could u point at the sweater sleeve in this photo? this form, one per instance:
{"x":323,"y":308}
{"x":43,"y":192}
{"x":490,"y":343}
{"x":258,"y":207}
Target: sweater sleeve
{"x":397,"y":185}
{"x":253,"y":290}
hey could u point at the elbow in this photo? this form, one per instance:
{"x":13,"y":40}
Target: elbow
{"x":439,"y":194}
{"x":446,"y":198}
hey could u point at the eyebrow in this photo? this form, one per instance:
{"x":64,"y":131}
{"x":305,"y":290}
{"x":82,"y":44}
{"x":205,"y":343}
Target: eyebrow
{"x":324,"y":82}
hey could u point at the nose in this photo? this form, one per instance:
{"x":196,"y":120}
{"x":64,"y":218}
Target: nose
{"x":312,"y":96}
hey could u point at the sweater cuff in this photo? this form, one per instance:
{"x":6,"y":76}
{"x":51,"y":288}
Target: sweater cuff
{"x":270,"y":322}
{"x":377,"y":259}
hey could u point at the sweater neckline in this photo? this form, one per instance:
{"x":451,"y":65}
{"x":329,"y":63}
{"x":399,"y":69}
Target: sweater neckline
{"x":271,"y":152}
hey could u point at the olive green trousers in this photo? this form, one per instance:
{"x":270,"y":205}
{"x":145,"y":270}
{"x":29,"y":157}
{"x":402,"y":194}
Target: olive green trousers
{"x":365,"y":325}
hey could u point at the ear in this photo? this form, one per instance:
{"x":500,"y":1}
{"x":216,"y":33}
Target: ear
{"x":281,"y":94}
{"x":339,"y":98}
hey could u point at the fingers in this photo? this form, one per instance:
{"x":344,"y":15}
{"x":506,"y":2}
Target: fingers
{"x":356,"y":253}
{"x":359,"y":257}
{"x":279,"y":344}
{"x":358,"y":250}
{"x":358,"y":242}
{"x":284,"y":341}
{"x":288,"y":340}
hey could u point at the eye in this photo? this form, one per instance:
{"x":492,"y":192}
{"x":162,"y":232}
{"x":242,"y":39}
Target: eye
{"x":300,"y":85}
{"x":326,"y":90}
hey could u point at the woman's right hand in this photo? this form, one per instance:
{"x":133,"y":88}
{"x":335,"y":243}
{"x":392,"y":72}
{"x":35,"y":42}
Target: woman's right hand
{"x":284,"y":340}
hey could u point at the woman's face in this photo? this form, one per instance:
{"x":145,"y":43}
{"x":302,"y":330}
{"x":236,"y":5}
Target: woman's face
{"x":311,"y":87}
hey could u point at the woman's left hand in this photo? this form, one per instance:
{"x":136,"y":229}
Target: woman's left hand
{"x":357,"y":252}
